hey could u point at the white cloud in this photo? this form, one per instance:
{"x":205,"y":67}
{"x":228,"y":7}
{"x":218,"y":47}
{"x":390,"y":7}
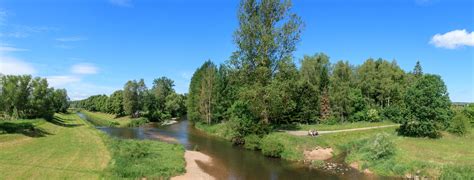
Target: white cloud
{"x":59,"y":81}
{"x":6,"y":48}
{"x":84,"y":68}
{"x":80,"y":90}
{"x":122,"y":3}
{"x":14,"y":66}
{"x":453,"y":39}
{"x":71,"y":39}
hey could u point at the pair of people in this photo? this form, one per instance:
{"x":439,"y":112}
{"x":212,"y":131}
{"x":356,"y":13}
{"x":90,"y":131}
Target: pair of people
{"x":313,"y":132}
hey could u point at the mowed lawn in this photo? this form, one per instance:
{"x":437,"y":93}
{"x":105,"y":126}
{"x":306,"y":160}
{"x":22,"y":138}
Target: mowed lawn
{"x":68,"y":148}
{"x":123,"y":121}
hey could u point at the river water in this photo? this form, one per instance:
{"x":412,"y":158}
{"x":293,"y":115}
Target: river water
{"x":228,"y":161}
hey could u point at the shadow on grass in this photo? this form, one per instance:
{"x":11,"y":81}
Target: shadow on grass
{"x":25,"y":128}
{"x":62,"y":122}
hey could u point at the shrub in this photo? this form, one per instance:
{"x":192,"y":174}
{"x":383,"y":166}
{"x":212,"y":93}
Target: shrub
{"x":428,"y":108}
{"x":419,"y":129}
{"x":358,"y":116}
{"x":459,"y":125}
{"x":134,"y":159}
{"x":373,"y":115}
{"x":242,"y":123}
{"x":252,"y":142}
{"x":393,"y":113}
{"x":380,"y":146}
{"x":271,"y":147}
{"x":138,"y":122}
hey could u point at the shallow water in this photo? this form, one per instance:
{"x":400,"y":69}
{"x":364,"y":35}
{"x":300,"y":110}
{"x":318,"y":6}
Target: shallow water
{"x":228,"y":161}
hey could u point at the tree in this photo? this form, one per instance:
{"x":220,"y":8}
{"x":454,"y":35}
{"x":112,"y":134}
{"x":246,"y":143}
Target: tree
{"x":116,"y":103}
{"x":418,"y":71}
{"x":342,"y":79}
{"x":202,"y":93}
{"x":60,"y":100}
{"x":267,"y":34}
{"x":130,"y":98}
{"x":162,"y":87}
{"x":428,"y":108}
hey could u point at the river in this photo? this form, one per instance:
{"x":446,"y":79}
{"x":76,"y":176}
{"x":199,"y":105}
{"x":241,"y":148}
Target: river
{"x":228,"y":161}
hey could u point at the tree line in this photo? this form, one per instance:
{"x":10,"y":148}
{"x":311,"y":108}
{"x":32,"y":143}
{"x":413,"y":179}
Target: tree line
{"x":261,"y":87}
{"x":22,"y":96}
{"x":160,"y":102}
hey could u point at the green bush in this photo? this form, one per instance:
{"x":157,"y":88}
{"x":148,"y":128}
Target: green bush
{"x":393,"y":113}
{"x":459,"y":125}
{"x":380,"y":146}
{"x":271,"y":146}
{"x":242,"y":123}
{"x":135,"y":159}
{"x":252,"y":142}
{"x":419,"y":129}
{"x":373,"y":115}
{"x":138,"y":122}
{"x":358,"y":116}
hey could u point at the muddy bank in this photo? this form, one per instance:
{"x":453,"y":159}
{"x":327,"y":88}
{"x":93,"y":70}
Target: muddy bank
{"x":193,"y":171}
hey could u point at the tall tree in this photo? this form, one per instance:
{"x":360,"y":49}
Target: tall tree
{"x":418,"y":71}
{"x":267,"y":34}
{"x":340,"y":89}
{"x":130,"y":98}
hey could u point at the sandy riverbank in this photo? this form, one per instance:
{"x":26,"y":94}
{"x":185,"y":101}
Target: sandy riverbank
{"x":192,"y":169}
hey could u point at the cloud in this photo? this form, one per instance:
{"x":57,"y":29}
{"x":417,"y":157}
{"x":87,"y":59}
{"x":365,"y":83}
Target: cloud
{"x":121,"y":3}
{"x":14,"y":66}
{"x":7,"y":48}
{"x":63,"y":46}
{"x":453,"y":39}
{"x":81,"y":90}
{"x":84,"y":68}
{"x":58,"y":81}
{"x":71,"y":39}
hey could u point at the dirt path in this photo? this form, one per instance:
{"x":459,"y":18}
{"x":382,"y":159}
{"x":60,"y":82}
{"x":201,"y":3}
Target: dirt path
{"x":305,"y":133}
{"x":192,"y":169}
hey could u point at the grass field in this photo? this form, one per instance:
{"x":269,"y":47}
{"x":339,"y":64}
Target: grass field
{"x":68,"y":147}
{"x":108,"y":118}
{"x":65,"y":149}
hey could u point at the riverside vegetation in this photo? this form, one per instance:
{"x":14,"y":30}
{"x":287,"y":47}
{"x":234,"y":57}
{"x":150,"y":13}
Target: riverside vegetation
{"x":260,"y":90}
{"x":248,"y":100}
{"x":39,"y":138}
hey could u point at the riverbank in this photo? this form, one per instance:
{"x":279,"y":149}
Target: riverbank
{"x":412,"y":156}
{"x":109,"y":120}
{"x":65,"y":148}
{"x":193,"y":171}
{"x":69,"y":147}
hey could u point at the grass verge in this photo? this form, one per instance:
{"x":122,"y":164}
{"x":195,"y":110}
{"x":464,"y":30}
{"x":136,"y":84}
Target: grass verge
{"x":104,"y":119}
{"x":67,"y":149}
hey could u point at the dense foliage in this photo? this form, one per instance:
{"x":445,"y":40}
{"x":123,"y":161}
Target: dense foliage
{"x":158,"y":103}
{"x":261,"y":86}
{"x":25,"y":97}
{"x":428,"y":107}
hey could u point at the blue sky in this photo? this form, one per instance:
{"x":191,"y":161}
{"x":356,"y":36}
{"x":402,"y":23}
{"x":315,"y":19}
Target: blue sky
{"x":94,"y":46}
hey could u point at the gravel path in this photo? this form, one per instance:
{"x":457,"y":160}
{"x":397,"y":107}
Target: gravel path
{"x":305,"y":133}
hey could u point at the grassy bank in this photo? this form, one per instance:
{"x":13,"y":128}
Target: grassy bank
{"x":450,"y":154}
{"x":133,"y":159}
{"x":65,"y":149}
{"x":70,"y":148}
{"x":104,"y":119}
